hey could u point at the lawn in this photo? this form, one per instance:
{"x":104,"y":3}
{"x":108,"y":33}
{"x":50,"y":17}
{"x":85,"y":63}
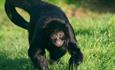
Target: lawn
{"x":95,"y":34}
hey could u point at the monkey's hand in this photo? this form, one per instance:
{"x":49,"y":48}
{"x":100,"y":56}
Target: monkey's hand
{"x":73,"y":63}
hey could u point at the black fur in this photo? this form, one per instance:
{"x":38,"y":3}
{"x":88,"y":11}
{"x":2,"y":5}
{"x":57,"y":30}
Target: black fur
{"x":44,"y":18}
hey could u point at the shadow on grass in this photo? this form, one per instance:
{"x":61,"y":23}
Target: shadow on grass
{"x":99,"y":6}
{"x":7,"y":63}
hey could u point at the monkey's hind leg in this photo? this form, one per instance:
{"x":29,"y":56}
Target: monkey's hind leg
{"x":38,"y":58}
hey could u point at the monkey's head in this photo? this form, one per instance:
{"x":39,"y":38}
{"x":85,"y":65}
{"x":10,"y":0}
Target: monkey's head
{"x":55,"y":31}
{"x":57,"y":38}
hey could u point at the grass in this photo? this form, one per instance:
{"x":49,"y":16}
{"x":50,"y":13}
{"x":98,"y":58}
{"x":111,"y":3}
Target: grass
{"x":96,"y":37}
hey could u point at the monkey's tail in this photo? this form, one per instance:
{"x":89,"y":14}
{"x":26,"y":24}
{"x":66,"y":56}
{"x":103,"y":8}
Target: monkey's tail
{"x":14,"y":16}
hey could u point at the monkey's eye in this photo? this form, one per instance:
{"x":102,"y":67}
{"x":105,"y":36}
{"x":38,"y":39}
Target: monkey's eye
{"x":54,"y":36}
{"x":61,"y":34}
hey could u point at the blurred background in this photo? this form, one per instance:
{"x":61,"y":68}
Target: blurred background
{"x":94,"y":25}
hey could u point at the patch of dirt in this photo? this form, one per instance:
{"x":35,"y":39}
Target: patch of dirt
{"x":78,"y":13}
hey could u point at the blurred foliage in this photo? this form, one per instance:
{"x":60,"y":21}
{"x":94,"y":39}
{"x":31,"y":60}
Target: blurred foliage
{"x":1,"y":4}
{"x":78,"y":3}
{"x":56,"y":1}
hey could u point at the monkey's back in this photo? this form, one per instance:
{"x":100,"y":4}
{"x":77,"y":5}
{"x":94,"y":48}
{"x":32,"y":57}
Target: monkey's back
{"x":42,"y":13}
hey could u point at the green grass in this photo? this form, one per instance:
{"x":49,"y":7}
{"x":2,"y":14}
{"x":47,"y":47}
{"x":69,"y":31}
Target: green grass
{"x":96,"y":37}
{"x":97,"y":41}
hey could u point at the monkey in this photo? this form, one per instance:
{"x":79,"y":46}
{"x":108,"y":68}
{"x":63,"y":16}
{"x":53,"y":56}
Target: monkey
{"x":49,"y":29}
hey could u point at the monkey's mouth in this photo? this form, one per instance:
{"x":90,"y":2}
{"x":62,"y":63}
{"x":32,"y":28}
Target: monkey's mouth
{"x":59,"y":43}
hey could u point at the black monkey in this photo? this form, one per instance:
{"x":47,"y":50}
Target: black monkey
{"x":48,"y":29}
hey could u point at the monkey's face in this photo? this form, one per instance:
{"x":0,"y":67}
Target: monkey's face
{"x":57,"y":38}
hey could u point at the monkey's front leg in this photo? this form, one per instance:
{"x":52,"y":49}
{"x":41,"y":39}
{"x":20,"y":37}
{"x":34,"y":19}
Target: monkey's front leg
{"x":76,"y":56}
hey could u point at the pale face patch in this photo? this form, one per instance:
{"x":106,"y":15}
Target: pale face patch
{"x":57,"y":38}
